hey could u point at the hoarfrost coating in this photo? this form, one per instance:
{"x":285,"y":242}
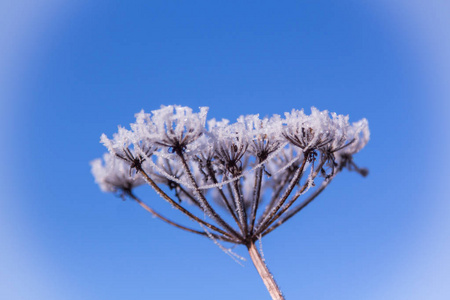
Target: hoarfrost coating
{"x":112,"y":174}
{"x":223,"y":152}
{"x":236,"y":181}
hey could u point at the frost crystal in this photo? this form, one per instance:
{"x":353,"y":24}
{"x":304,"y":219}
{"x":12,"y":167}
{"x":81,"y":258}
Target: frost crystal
{"x":120,"y":141}
{"x":309,"y":132}
{"x":237,"y":181}
{"x":112,"y":174}
{"x":264,"y":134}
{"x":255,"y":168}
{"x":176,"y":126}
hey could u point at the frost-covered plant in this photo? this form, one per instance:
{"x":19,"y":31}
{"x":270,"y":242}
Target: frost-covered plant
{"x":237,"y":181}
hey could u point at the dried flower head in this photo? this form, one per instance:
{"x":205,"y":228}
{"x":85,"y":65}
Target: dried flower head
{"x":237,"y":181}
{"x":112,"y":174}
{"x":175,"y":126}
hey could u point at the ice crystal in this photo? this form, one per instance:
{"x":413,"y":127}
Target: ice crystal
{"x":176,"y":126}
{"x":112,"y":174}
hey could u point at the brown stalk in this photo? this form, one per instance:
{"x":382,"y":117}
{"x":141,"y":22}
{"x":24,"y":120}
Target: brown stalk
{"x":225,"y":199}
{"x":298,"y":208}
{"x":286,"y":194}
{"x":205,"y":204}
{"x":161,"y":217}
{"x":256,"y":197}
{"x":264,"y":272}
{"x":275,"y":196}
{"x":179,"y":207}
{"x":239,"y":202}
{"x":294,"y":198}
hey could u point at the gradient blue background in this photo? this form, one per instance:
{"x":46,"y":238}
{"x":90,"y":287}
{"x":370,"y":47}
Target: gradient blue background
{"x":69,"y":72}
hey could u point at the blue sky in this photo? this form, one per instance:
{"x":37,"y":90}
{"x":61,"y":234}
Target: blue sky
{"x":71,"y":72}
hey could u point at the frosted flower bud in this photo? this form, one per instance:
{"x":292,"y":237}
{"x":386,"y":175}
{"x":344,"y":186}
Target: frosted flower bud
{"x":264,"y":134}
{"x":177,"y":126}
{"x":120,"y":146}
{"x":120,"y":141}
{"x":113,"y":174}
{"x":308,"y":132}
{"x":285,"y":161}
{"x":230,"y":145}
{"x":143,"y":129}
{"x":167,"y":169}
{"x":202,"y":150}
{"x":358,"y":133}
{"x":338,"y":127}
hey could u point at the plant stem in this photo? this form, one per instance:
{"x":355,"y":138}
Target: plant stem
{"x":264,"y":272}
{"x":291,"y":213}
{"x":256,"y":197}
{"x":179,"y":207}
{"x":265,"y":222}
{"x":161,"y":217}
{"x":294,"y":198}
{"x":239,"y":203}
{"x":205,"y":204}
{"x":225,"y":199}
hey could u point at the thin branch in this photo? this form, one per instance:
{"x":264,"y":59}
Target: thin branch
{"x":225,"y":199}
{"x":276,"y":194}
{"x":256,"y":197}
{"x":177,"y":206}
{"x":192,"y":198}
{"x":292,"y":184}
{"x":228,"y":252}
{"x":299,"y":207}
{"x":294,"y":198}
{"x":205,"y":204}
{"x":239,"y":202}
{"x":177,"y":185}
{"x":161,"y":217}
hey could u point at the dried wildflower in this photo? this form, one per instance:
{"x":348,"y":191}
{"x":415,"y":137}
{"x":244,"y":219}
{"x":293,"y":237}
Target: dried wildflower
{"x":112,"y":174}
{"x":230,"y":144}
{"x":256,"y":169}
{"x":308,"y":132}
{"x":175,"y":127}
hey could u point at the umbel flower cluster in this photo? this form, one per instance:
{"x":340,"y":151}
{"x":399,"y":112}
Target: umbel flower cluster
{"x":238,"y":181}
